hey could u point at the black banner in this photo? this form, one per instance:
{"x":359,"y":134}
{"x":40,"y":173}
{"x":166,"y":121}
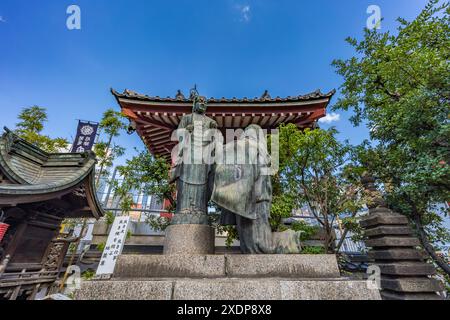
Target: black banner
{"x":86,"y":133}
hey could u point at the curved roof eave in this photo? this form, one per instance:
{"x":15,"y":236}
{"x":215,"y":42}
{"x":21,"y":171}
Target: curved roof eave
{"x":80,"y":171}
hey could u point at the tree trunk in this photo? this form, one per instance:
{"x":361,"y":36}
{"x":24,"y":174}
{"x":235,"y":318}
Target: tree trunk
{"x":428,"y":247}
{"x":329,"y":240}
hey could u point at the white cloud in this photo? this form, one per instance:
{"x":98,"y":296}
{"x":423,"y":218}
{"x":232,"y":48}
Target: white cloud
{"x":245,"y":12}
{"x":330,"y":117}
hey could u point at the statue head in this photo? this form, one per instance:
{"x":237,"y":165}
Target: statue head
{"x":254,"y":132}
{"x":200,"y":105}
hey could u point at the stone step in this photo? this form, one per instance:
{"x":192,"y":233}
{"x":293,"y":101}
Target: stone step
{"x":214,"y":266}
{"x":226,"y":289}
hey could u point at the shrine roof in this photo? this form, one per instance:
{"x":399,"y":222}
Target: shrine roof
{"x":33,"y":175}
{"x":155,"y":118}
{"x":265,"y":98}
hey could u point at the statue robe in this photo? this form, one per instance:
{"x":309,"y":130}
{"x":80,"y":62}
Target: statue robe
{"x":245,"y":195}
{"x":194,"y":180}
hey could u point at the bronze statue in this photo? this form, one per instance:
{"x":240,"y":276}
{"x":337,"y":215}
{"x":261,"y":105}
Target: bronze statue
{"x":235,"y":176}
{"x":244,"y":192}
{"x":192,"y":169}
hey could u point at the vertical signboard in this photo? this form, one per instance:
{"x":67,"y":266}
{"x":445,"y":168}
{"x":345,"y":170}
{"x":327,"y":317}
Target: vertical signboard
{"x":114,"y":246}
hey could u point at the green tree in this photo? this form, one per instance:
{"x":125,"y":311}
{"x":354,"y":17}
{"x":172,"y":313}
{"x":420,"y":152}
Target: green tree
{"x":112,"y":124}
{"x":399,"y":86}
{"x":30,"y":128}
{"x":322,"y":174}
{"x":147,"y":173}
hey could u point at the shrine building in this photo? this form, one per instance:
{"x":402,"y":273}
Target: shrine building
{"x":38,"y":190}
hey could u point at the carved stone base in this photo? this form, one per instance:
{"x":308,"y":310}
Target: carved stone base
{"x":188,"y":239}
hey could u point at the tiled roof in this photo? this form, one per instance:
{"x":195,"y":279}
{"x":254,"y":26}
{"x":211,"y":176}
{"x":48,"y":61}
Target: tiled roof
{"x":316,"y":95}
{"x":35,"y":173}
{"x":155,"y":118}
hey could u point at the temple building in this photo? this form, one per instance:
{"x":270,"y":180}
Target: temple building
{"x":38,"y":191}
{"x":155,"y":118}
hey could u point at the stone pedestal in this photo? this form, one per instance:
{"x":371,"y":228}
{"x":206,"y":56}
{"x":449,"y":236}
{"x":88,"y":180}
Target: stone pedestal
{"x":227,"y":289}
{"x":315,"y":266}
{"x":226,"y":277}
{"x":188,"y":239}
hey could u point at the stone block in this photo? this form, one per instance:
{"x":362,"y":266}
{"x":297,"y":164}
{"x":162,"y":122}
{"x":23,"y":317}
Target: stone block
{"x":407,"y":268}
{"x":390,"y":295}
{"x":273,"y":289}
{"x":328,"y":290}
{"x":397,"y":254}
{"x":238,"y":265}
{"x":388,"y":230}
{"x":382,"y":211}
{"x":393,"y":242}
{"x":422,"y":284}
{"x":189,"y":239}
{"x":392,"y":219}
{"x":101,"y":228}
{"x":226,"y":289}
{"x":287,"y":242}
{"x":153,"y":266}
{"x":125,"y":290}
{"x":288,"y":266}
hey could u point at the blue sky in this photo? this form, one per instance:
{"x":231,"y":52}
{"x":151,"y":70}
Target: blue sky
{"x":227,"y":47}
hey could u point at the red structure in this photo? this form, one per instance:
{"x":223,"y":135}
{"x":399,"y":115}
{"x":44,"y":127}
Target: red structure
{"x":155,"y":118}
{"x":3,"y":228}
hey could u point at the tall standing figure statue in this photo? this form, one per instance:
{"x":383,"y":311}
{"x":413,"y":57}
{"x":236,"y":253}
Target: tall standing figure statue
{"x":192,"y":168}
{"x":243,"y":190}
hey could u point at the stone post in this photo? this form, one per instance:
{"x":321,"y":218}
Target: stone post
{"x":405,"y":275}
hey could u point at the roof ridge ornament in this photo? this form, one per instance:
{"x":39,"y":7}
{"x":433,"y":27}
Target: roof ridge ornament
{"x":266,"y":95}
{"x":131,"y":93}
{"x":180,"y":95}
{"x":194,"y":93}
